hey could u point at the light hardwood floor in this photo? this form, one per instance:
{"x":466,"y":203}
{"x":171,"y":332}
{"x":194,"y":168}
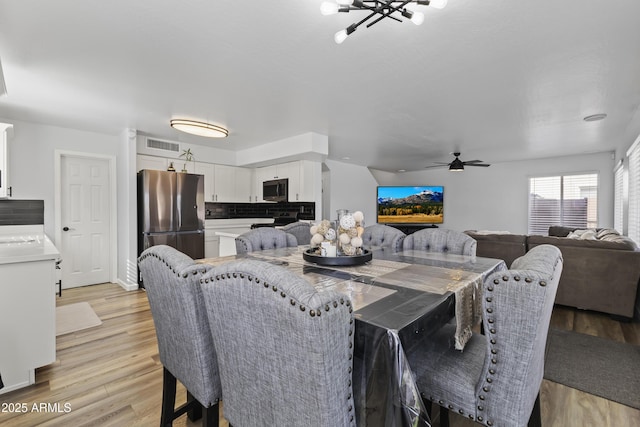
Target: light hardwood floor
{"x":110,"y":375}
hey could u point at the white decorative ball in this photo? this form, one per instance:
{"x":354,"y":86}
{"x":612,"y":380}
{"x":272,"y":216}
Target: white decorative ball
{"x":356,"y":242}
{"x":349,"y":250}
{"x":345,"y":239}
{"x":358,"y":216}
{"x":347,"y":221}
{"x":313,"y":229}
{"x":330,"y":234}
{"x":316,"y":239}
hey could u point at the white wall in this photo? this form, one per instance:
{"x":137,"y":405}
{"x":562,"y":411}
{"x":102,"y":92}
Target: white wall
{"x":351,"y":187}
{"x":31,"y":160}
{"x":496,"y":198}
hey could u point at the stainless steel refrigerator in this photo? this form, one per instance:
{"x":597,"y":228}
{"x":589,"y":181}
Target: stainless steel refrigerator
{"x":171,"y":211}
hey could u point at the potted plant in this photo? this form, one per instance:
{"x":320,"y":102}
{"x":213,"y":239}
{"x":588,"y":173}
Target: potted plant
{"x":188,"y":157}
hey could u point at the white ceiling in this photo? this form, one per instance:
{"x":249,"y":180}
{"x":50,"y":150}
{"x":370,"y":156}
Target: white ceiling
{"x":498,"y":80}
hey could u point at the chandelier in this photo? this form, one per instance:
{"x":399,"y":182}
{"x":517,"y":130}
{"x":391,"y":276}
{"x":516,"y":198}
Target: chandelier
{"x":378,"y":10}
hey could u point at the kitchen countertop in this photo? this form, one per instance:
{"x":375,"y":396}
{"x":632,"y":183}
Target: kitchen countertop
{"x":25,"y":244}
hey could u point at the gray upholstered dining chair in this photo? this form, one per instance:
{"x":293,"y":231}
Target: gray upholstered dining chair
{"x":186,"y":349}
{"x":301,"y":230}
{"x":263,"y":238}
{"x":441,"y":240}
{"x":496,"y":379}
{"x":384,"y":236}
{"x":288,"y":349}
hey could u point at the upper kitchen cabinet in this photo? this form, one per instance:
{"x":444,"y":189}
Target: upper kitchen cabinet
{"x":224,"y":183}
{"x":5,"y":190}
{"x":302,"y":176}
{"x":144,"y":161}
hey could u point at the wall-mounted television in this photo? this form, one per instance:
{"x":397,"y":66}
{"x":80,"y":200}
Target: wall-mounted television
{"x":410,"y":204}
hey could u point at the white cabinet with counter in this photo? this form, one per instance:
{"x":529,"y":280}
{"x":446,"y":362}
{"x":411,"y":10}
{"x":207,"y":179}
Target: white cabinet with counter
{"x":224,"y":232}
{"x":27,"y":305}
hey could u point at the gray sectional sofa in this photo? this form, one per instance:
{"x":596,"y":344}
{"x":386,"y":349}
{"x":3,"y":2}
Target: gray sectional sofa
{"x":598,"y":274}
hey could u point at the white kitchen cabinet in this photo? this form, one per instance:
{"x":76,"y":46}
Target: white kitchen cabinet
{"x":302,"y":176}
{"x":150,"y":162}
{"x":144,"y":161}
{"x":208,"y":170}
{"x":211,"y":243}
{"x":4,"y":159}
{"x":243,"y":183}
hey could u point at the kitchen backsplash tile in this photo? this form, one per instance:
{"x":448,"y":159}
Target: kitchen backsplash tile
{"x":305,"y":210}
{"x":21,"y":212}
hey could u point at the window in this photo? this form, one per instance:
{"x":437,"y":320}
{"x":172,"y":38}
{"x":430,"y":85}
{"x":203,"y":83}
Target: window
{"x":634,"y":191}
{"x":568,"y":200}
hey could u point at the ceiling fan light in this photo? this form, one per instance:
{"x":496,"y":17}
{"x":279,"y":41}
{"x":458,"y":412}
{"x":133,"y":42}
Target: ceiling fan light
{"x":199,"y":128}
{"x":438,"y":4}
{"x":456,"y":168}
{"x":328,"y":8}
{"x":417,"y":18}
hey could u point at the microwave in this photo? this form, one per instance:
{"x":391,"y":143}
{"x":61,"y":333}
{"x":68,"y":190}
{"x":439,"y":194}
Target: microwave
{"x":276,"y":190}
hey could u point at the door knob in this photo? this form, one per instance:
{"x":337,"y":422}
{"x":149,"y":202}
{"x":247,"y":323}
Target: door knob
{"x":65,"y":229}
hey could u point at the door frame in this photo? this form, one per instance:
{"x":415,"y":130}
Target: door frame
{"x":113,"y":202}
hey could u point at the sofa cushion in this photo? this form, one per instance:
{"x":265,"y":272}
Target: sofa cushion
{"x":624,"y":244}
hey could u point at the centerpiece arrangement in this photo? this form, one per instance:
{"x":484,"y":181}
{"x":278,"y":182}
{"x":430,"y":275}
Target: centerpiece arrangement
{"x":338,"y":242}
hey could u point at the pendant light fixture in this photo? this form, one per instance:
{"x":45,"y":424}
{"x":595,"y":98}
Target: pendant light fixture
{"x":199,"y":128}
{"x":378,"y":10}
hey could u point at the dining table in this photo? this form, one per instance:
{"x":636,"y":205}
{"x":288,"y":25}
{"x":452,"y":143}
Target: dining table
{"x":399,"y":300}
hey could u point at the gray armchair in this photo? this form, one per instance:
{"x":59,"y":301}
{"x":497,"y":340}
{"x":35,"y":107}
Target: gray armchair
{"x":288,"y":349}
{"x":384,"y":236}
{"x":441,"y":240}
{"x":496,"y":379}
{"x":186,"y":349}
{"x":301,"y":230}
{"x":263,"y":238}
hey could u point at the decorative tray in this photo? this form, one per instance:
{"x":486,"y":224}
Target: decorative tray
{"x":311,"y":256}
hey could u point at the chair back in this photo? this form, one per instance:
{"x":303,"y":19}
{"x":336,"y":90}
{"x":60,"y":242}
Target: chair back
{"x":287,"y":356}
{"x":301,"y":230}
{"x":172,"y":282}
{"x":517,"y":307}
{"x":263,"y":238}
{"x":441,"y":240}
{"x":383,"y":236}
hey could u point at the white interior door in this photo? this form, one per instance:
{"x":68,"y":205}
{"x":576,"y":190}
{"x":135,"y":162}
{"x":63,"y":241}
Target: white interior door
{"x":84,"y":214}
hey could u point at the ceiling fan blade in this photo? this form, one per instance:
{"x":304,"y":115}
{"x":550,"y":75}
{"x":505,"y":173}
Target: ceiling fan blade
{"x":466,"y":162}
{"x":484,"y":165}
{"x":437,"y":166}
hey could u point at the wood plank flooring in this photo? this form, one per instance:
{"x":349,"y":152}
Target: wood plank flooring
{"x":110,"y":375}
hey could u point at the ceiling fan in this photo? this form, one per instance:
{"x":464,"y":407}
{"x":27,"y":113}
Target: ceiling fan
{"x":458,"y":165}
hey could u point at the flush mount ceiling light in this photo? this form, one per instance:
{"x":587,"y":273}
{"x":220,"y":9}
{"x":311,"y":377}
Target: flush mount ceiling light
{"x":378,"y":10}
{"x":199,"y":128}
{"x":595,"y":117}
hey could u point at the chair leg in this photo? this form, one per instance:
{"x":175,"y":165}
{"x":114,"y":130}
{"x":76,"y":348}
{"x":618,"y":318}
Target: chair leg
{"x":168,"y":398}
{"x":211,"y":416}
{"x":194,"y":411}
{"x":535,"y":420}
{"x":444,"y":417}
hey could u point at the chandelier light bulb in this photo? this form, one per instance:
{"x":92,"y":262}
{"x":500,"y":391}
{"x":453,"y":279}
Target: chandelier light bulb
{"x":340,"y":36}
{"x":417,"y":18}
{"x":344,"y":2}
{"x":438,"y":4}
{"x":328,"y":8}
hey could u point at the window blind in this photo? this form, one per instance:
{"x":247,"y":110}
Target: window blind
{"x":634,"y":192}
{"x":568,"y":200}
{"x":618,"y":199}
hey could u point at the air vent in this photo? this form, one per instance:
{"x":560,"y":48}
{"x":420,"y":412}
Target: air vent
{"x":163,"y":145}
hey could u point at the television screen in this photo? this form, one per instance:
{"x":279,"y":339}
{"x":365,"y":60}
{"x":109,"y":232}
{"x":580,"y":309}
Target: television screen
{"x":410,"y":205}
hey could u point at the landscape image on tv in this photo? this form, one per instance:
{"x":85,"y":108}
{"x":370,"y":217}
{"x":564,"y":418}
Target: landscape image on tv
{"x":410,"y":205}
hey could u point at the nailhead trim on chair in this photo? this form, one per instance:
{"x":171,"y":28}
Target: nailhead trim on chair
{"x":312,"y":313}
